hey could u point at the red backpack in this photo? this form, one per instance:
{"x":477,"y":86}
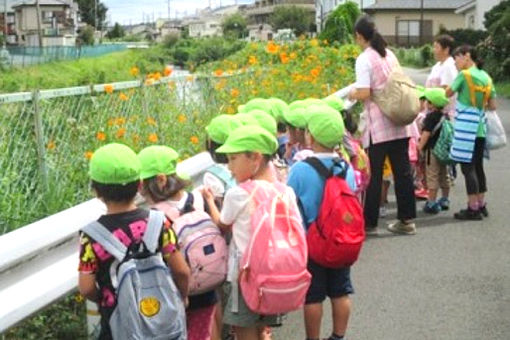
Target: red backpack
{"x":336,"y":236}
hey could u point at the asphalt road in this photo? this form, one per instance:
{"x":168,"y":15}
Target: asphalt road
{"x":450,"y":281}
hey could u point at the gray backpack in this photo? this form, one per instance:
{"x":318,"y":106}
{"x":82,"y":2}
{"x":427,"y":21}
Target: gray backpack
{"x":149,"y":305}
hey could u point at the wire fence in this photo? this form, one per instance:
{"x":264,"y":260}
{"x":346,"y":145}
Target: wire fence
{"x":47,"y":137}
{"x":21,"y":56}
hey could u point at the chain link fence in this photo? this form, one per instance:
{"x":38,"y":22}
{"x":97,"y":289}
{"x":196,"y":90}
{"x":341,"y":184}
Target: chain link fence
{"x":47,"y":137}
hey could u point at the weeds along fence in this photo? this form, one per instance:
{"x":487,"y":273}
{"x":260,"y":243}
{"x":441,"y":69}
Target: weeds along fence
{"x":47,"y":137}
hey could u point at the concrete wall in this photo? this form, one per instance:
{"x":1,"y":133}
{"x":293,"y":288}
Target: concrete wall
{"x":26,"y":19}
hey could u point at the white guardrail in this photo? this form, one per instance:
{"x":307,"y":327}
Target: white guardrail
{"x":39,"y":262}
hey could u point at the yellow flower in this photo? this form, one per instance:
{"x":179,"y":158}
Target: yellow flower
{"x":181,"y":118}
{"x":231,"y":110}
{"x":284,"y":58}
{"x":101,"y":136}
{"x":194,"y":140}
{"x":134,"y":71}
{"x":189,"y":78}
{"x":51,"y":145}
{"x":120,"y":121}
{"x":88,"y":154}
{"x":108,"y":88}
{"x":151,"y":121}
{"x":252,"y":60}
{"x":325,"y":42}
{"x":153,"y":138}
{"x":293,"y":55}
{"x":272,"y":48}
{"x":79,"y":298}
{"x":314,"y":42}
{"x":234,"y":92}
{"x":123,"y":96}
{"x":149,"y":81}
{"x":156,"y":76}
{"x":168,"y":71}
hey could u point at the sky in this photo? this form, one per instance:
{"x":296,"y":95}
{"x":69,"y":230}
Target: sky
{"x":134,"y":11}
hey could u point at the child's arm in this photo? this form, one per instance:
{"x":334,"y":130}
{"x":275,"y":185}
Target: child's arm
{"x":214,"y":211}
{"x":180,"y":272}
{"x":87,"y":286}
{"x":424,"y":138}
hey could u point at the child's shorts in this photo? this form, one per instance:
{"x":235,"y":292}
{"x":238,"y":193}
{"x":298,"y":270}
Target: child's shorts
{"x":244,"y":317}
{"x":437,"y":173}
{"x":333,"y":283}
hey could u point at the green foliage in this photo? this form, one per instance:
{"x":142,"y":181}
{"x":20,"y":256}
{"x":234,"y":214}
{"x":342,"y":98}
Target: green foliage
{"x":340,"y":23}
{"x":466,"y":36}
{"x":296,"y":18}
{"x":63,"y":320}
{"x":495,"y":50}
{"x":170,"y":39}
{"x":88,"y":12}
{"x":427,"y":55}
{"x":86,"y":36}
{"x":234,"y":26}
{"x":116,"y":32}
{"x":415,"y":57}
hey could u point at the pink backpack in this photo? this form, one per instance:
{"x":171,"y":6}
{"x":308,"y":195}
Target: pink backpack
{"x":202,"y":244}
{"x":273,"y":276}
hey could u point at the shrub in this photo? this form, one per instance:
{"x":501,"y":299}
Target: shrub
{"x":86,"y":36}
{"x":234,"y":26}
{"x":170,"y":39}
{"x":465,"y":36}
{"x":296,"y":18}
{"x":340,"y":23}
{"x":427,"y":55}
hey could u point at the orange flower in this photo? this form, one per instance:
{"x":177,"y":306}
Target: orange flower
{"x":194,"y":140}
{"x":108,"y":88}
{"x":181,"y":118}
{"x":234,"y":93}
{"x":272,"y":48}
{"x":134,"y":71}
{"x":153,"y":138}
{"x":252,"y":60}
{"x":151,"y":121}
{"x":156,"y":76}
{"x":88,"y":154}
{"x":51,"y":145}
{"x":218,"y":72}
{"x":120,"y":133}
{"x":168,"y":71}
{"x":120,"y":121}
{"x":101,"y":136}
{"x":123,"y":97}
{"x":315,"y":72}
{"x":284,"y":58}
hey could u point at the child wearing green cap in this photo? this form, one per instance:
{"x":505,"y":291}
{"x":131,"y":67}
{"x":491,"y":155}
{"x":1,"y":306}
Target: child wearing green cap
{"x":296,"y":148}
{"x":249,"y":150}
{"x":165,"y":190}
{"x":115,"y":178}
{"x":436,"y":172}
{"x":325,"y":130}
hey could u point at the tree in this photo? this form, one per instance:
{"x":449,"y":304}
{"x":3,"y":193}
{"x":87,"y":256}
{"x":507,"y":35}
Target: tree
{"x":116,"y":32}
{"x":85,"y":36}
{"x":88,"y":13}
{"x":234,"y":26}
{"x":296,"y":18}
{"x":340,"y":23}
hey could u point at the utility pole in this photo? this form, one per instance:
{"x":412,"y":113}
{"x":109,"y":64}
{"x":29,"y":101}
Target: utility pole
{"x":39,"y":30}
{"x":169,"y":17}
{"x":421,"y":22}
{"x":5,"y":22}
{"x":95,"y":15}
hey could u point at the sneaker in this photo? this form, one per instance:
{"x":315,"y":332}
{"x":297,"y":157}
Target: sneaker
{"x":468,"y":215}
{"x":383,"y":212}
{"x":371,"y":231}
{"x":431,"y":208}
{"x":444,"y":202}
{"x":421,"y":194}
{"x":484,"y":211}
{"x":400,"y":227}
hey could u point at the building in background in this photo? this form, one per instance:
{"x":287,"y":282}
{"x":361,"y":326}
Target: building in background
{"x":474,"y":12}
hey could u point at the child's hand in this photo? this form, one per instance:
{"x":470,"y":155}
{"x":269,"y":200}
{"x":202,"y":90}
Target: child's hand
{"x":207,"y":194}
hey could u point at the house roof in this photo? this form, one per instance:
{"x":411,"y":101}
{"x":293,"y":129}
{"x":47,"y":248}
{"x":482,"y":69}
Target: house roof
{"x":42,"y":3}
{"x":395,"y":5}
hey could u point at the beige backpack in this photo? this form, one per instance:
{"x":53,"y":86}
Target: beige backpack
{"x":398,"y":100}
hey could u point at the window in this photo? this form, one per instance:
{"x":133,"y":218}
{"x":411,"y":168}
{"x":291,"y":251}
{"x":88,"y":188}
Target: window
{"x":47,"y":16}
{"x":408,"y":31}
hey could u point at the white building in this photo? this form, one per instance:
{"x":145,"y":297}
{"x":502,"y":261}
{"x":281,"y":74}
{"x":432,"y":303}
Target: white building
{"x":324,"y":7}
{"x":207,"y":22}
{"x":474,"y":12}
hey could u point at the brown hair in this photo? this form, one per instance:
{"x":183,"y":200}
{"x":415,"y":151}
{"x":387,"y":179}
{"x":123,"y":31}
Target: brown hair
{"x":173,"y":185}
{"x":445,"y":41}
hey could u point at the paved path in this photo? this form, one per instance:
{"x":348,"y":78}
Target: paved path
{"x":450,"y":281}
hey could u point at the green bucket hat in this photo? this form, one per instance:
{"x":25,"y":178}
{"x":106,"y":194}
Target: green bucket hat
{"x":245,"y":119}
{"x":334,"y":102}
{"x":114,"y":163}
{"x":325,"y":125}
{"x":256,"y":103}
{"x":264,"y":120}
{"x":306,"y":103}
{"x":250,"y":138}
{"x":437,"y":96}
{"x":279,"y":108}
{"x":296,"y":117}
{"x":220,"y":126}
{"x":157,"y":159}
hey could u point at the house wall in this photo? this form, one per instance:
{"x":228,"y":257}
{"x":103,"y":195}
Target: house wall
{"x":26,"y":19}
{"x":483,"y":6}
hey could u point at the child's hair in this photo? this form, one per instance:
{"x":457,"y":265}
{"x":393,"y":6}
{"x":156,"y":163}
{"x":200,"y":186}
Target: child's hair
{"x":211,"y":147}
{"x":116,"y":192}
{"x":173,"y":185}
{"x":267,"y":158}
{"x":465,"y":49}
{"x":281,"y":127}
{"x":445,"y":41}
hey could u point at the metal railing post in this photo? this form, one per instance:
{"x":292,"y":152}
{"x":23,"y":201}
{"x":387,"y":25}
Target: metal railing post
{"x":93,"y":320}
{"x":39,"y":138}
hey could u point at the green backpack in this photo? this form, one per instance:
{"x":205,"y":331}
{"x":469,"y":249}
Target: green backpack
{"x":444,"y":143}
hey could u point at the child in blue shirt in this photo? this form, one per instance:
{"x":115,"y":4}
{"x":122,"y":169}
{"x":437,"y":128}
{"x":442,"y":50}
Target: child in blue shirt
{"x":325,"y":130}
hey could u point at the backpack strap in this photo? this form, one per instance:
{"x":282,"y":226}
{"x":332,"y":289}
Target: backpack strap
{"x":486,"y":90}
{"x":188,"y":205}
{"x":153,"y":231}
{"x":318,"y":166}
{"x":106,"y":239}
{"x":438,"y":125}
{"x":220,"y":172}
